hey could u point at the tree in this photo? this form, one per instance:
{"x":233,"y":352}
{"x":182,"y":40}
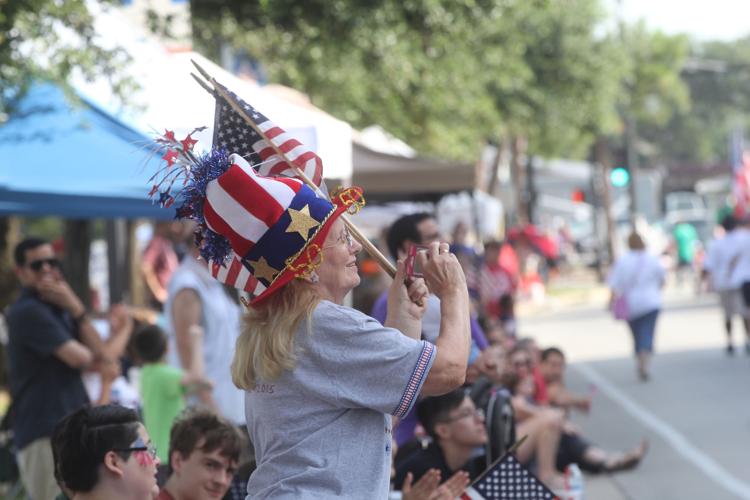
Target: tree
{"x":48,"y":40}
{"x":717,"y":75}
{"x":409,"y":66}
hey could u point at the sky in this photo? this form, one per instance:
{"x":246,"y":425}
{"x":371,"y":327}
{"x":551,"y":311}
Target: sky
{"x":700,"y":19}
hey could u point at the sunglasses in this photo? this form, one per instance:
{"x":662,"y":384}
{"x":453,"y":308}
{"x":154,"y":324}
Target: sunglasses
{"x":36,"y":265}
{"x":150,"y":448}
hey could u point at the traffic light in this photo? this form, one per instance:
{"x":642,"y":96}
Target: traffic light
{"x":619,"y":177}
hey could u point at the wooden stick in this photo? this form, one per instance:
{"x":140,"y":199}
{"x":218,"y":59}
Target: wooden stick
{"x":361,"y":238}
{"x":517,"y":444}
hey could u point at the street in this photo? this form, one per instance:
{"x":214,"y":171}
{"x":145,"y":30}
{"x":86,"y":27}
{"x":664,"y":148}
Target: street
{"x":694,"y":411}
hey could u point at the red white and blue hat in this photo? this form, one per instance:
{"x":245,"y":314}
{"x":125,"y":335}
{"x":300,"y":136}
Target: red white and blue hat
{"x":256,"y":231}
{"x":275,"y":226}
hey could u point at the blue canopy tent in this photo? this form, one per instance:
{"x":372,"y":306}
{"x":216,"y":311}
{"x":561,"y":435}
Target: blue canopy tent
{"x":73,"y":161}
{"x":77,"y":162}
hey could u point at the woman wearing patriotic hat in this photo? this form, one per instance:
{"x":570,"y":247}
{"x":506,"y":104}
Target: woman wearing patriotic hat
{"x":322,"y":380}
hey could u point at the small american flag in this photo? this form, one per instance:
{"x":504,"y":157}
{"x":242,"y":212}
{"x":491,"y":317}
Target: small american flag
{"x":507,"y":479}
{"x":233,"y":133}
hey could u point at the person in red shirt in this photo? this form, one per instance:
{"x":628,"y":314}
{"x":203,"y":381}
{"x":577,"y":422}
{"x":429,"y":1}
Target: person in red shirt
{"x":494,"y":281}
{"x":159,"y":260}
{"x":541,"y":395}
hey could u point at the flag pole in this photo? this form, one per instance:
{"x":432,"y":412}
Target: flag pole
{"x":510,"y":451}
{"x":358,"y":235}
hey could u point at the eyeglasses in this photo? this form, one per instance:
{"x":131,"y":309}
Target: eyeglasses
{"x":345,"y":237}
{"x":36,"y":265}
{"x":149,"y":447}
{"x":477,"y":412}
{"x":522,"y":363}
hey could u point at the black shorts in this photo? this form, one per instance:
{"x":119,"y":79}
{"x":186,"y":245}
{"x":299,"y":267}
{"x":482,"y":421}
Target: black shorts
{"x":746,"y":293}
{"x":570,"y":451}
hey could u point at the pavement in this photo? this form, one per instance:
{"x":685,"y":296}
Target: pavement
{"x":695,"y":411}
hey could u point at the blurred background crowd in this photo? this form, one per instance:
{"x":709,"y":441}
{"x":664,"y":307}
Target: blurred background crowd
{"x":548,"y":142}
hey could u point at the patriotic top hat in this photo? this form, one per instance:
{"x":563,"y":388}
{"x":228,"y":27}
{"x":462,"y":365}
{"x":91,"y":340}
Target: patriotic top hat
{"x":275,"y":225}
{"x":258,"y":226}
{"x":255,"y":232}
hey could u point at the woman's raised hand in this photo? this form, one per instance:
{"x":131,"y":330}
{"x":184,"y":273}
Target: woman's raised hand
{"x":407,"y":297}
{"x":441,"y":270}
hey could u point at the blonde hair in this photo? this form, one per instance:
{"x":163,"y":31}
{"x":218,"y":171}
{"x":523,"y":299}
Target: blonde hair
{"x":265,"y":348}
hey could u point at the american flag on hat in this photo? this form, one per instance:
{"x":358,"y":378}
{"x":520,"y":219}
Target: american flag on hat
{"x":262,"y":142}
{"x":243,"y":206}
{"x":507,"y":479}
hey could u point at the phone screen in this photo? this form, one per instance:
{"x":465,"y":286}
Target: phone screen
{"x":413,"y":266}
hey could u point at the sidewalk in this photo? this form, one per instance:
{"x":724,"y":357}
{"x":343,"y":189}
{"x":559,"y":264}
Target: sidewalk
{"x":577,"y":287}
{"x":602,"y":487}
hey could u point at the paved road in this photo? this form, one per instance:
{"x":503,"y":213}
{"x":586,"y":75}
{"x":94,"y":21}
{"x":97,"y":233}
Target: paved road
{"x":695,"y":411}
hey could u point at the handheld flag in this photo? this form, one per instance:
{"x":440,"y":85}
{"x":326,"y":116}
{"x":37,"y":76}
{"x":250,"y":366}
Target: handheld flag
{"x":507,"y":479}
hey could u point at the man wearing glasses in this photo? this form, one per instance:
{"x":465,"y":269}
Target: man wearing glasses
{"x":50,"y":343}
{"x":105,"y":452}
{"x":457,"y":430}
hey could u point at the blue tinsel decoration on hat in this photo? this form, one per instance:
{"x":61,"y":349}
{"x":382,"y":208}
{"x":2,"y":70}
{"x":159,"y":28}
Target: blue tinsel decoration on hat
{"x":207,"y":167}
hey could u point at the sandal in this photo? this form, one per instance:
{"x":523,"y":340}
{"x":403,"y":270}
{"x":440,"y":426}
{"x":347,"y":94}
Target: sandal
{"x":626,"y":460}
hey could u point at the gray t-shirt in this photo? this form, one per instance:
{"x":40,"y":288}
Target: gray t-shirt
{"x":323,"y":430}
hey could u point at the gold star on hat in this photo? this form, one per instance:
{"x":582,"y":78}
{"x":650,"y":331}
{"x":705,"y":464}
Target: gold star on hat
{"x":301,"y":221}
{"x":261,"y":269}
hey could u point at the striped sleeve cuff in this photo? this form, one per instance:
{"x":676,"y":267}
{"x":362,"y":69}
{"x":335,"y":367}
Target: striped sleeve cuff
{"x":416,"y":380}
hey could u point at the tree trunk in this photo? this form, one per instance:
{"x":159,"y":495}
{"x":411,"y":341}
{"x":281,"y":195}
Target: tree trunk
{"x":9,"y":238}
{"x":137,"y":284}
{"x":631,"y":139}
{"x":117,"y":259}
{"x":76,"y":261}
{"x":603,"y":162}
{"x":518,"y":179}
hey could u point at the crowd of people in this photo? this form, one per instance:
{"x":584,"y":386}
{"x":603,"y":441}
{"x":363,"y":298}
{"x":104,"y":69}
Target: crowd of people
{"x":114,"y":371}
{"x":145,"y":409}
{"x":511,"y":389}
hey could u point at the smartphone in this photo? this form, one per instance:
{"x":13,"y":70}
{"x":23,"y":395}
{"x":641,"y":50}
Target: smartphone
{"x":413,"y":268}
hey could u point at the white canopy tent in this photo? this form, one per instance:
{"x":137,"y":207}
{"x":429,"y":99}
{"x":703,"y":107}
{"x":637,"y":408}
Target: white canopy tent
{"x":389,"y":170}
{"x":169,"y":98}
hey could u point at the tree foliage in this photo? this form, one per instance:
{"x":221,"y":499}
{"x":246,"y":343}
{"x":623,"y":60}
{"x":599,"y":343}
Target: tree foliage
{"x":717,"y":75}
{"x":446,"y":75}
{"x":49,"y":40}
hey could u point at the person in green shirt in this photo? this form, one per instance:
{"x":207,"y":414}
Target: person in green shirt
{"x":163,"y":388}
{"x":686,"y":240}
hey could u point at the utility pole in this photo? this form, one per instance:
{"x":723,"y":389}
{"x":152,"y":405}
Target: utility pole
{"x":631,"y":134}
{"x":530,"y":194}
{"x":631,"y":152}
{"x":602,"y":163}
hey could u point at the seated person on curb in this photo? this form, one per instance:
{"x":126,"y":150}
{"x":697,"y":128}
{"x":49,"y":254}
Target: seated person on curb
{"x":572,"y":447}
{"x":418,"y":229}
{"x":485,"y":387}
{"x":203,"y":454}
{"x":552,"y":368}
{"x":540,"y":388}
{"x":428,"y":487}
{"x":457,"y":430}
{"x":104,"y":452}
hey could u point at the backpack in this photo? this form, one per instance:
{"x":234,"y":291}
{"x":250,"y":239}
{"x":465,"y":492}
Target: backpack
{"x":499,"y":421}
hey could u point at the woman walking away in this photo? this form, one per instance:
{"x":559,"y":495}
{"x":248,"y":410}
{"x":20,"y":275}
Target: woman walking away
{"x":636,"y":281}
